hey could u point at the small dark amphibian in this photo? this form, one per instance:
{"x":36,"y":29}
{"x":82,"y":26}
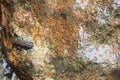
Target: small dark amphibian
{"x":21,"y":43}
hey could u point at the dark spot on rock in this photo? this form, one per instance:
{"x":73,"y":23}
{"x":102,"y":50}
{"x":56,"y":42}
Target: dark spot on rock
{"x":116,"y":74}
{"x":20,"y":44}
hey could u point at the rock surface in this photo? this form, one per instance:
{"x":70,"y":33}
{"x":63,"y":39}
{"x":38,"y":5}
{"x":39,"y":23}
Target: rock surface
{"x":40,"y":39}
{"x":46,"y":35}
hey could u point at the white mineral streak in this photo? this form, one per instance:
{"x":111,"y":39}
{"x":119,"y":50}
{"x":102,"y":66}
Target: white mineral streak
{"x":117,"y":4}
{"x":13,"y":76}
{"x":0,"y":27}
{"x":98,"y":53}
{"x":4,"y":63}
{"x":52,"y":79}
{"x":31,"y":21}
{"x":65,"y":51}
{"x":81,"y":5}
{"x":26,"y":14}
{"x":7,"y":70}
{"x":5,"y":78}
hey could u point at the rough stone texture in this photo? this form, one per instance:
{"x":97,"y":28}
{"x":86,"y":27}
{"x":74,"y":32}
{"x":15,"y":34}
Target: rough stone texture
{"x":50,"y":31}
{"x":52,"y":27}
